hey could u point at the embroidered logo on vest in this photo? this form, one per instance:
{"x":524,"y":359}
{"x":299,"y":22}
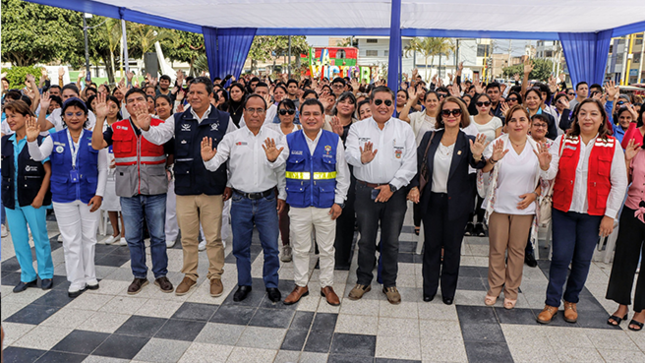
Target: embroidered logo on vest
{"x":185,"y":127}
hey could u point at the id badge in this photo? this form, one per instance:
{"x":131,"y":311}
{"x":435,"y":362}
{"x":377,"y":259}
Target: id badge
{"x":74,"y":176}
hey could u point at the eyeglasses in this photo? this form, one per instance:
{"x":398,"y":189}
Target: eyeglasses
{"x":254,"y":110}
{"x":541,"y":126}
{"x":289,"y":111}
{"x":378,"y":102}
{"x":441,"y":95}
{"x":511,"y":99}
{"x":455,"y":112}
{"x":71,"y":114}
{"x":487,"y":103}
{"x":338,"y":85}
{"x":620,"y":103}
{"x":571,"y":93}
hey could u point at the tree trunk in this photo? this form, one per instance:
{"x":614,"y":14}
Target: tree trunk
{"x":427,"y":79}
{"x":111,"y":74}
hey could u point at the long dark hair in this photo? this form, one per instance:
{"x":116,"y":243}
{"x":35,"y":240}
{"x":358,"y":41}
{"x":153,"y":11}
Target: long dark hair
{"x":603,"y":131}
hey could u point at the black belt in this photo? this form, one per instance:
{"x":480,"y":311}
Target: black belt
{"x":255,"y":196}
{"x":370,"y":185}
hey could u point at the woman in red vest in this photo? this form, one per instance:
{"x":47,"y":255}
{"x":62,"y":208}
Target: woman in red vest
{"x":590,"y":182}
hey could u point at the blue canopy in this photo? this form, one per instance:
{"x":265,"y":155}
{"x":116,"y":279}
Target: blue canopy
{"x":585,"y":27}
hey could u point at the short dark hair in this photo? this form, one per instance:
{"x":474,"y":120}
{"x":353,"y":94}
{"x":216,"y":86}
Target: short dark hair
{"x":74,"y":101}
{"x":443,"y":90}
{"x":57,"y":100}
{"x":381,"y":89}
{"x":541,"y":117}
{"x":254,"y":95}
{"x":261,"y":84}
{"x":596,"y":86}
{"x":465,"y":116}
{"x":18,"y":106}
{"x":254,"y":79}
{"x":13,"y":95}
{"x":337,"y":80}
{"x":167,"y":98}
{"x":312,"y":102}
{"x":493,"y":85}
{"x":165,"y":77}
{"x":290,"y":81}
{"x":133,"y":90}
{"x":54,"y":86}
{"x":288,"y":103}
{"x":308,"y":92}
{"x":88,"y":103}
{"x":580,"y":84}
{"x":217,"y":79}
{"x":69,"y":86}
{"x":202,"y":80}
{"x":26,"y":99}
{"x":91,"y":89}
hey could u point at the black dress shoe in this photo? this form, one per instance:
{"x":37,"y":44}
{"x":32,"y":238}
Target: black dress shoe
{"x":22,"y":286}
{"x":46,"y":284}
{"x":529,"y":260}
{"x":479,"y":230}
{"x":447,"y":300}
{"x":428,"y":298}
{"x":470,"y":228}
{"x":241,"y":293}
{"x":274,"y":294}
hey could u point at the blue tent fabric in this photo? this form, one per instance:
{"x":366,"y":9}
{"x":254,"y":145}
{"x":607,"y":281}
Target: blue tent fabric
{"x":586,"y":55}
{"x":394,"y":57}
{"x":227,"y":49}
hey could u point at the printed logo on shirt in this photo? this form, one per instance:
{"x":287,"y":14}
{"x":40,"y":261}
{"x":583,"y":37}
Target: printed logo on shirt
{"x":327,"y":149}
{"x":183,"y":142}
{"x":398,"y":152}
{"x":124,"y":128}
{"x":29,"y":168}
{"x":241,"y":143}
{"x":296,"y":152}
{"x":185,"y":127}
{"x":363,"y":139}
{"x":60,"y":149}
{"x":571,"y":147}
{"x":214,"y":127}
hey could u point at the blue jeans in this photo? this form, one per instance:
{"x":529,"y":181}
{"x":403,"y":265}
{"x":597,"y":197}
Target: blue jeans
{"x":153,"y":209}
{"x":575,"y":236}
{"x":18,"y":219}
{"x":244,"y":212}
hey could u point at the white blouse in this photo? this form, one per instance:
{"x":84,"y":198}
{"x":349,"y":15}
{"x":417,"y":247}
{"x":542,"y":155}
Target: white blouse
{"x":441,"y":168}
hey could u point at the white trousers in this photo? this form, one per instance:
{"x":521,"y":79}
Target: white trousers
{"x":302,"y":220}
{"x":78,"y":226}
{"x":172,"y":228}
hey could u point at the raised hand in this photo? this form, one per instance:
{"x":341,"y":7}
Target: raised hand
{"x":478,"y":146}
{"x":414,"y":95}
{"x":101,"y":107}
{"x":180,"y":108}
{"x":45,"y":100}
{"x":528,"y":66}
{"x":267,"y":98}
{"x":32,"y":129}
{"x":612,"y":90}
{"x":207,"y":150}
{"x":336,"y":126}
{"x":129,"y":75}
{"x":544,"y":156}
{"x":142,"y":116}
{"x":565,"y":102}
{"x":632,"y":111}
{"x":367,"y":155}
{"x":478,"y":86}
{"x":43,"y":72}
{"x":29,"y":78}
{"x":632,"y":149}
{"x":562,"y":77}
{"x":454,"y":90}
{"x":498,"y":150}
{"x":516,"y":77}
{"x":81,"y":74}
{"x":450,"y":77}
{"x":461,"y":68}
{"x":553,"y":86}
{"x":61,"y":72}
{"x":504,"y":107}
{"x":271,"y":150}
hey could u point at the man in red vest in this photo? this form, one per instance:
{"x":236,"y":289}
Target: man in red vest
{"x":141,"y":183}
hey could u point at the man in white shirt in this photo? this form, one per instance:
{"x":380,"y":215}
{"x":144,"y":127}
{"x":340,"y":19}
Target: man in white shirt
{"x":262,"y":89}
{"x":383,"y":151}
{"x":254,"y":173}
{"x":317,"y":180}
{"x":200,"y":193}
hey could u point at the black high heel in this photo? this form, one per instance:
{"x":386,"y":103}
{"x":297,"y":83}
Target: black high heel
{"x":634,"y":322}
{"x":616,"y":319}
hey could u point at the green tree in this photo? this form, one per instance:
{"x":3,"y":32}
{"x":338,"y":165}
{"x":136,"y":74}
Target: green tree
{"x":429,"y":48}
{"x":34,"y":33}
{"x":541,"y":69}
{"x":184,"y":47}
{"x":104,"y":38}
{"x":265,"y":48}
{"x":142,"y":37}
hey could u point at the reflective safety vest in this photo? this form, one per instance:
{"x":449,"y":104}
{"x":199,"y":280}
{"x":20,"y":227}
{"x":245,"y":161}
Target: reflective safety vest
{"x":140,"y":164}
{"x":598,"y":174}
{"x":311,"y":179}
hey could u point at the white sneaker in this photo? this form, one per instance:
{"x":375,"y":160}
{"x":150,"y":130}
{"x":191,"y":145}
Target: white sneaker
{"x":170,"y":243}
{"x":60,"y":238}
{"x":202,"y":246}
{"x":123,"y":242}
{"x":5,"y":233}
{"x":92,"y":284}
{"x":286,"y":254}
{"x":112,"y":239}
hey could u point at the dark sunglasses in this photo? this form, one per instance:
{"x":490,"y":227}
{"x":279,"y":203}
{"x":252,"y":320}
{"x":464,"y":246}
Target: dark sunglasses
{"x":486,"y":103}
{"x":455,"y":112}
{"x":388,"y":103}
{"x":288,"y":111}
{"x":620,"y":103}
{"x":441,"y":95}
{"x":513,"y":99}
{"x":571,"y":93}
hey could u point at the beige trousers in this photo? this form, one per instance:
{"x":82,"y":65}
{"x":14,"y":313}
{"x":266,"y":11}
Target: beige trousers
{"x":507,"y":232}
{"x":207,"y":209}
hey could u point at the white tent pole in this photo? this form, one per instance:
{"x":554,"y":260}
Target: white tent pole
{"x":125,"y":46}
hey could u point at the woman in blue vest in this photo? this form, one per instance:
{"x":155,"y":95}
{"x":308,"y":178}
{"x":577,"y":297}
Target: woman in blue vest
{"x":25,"y":190}
{"x":79,"y":174}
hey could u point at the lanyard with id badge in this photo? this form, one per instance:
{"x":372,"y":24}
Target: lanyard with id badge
{"x":74,"y":175}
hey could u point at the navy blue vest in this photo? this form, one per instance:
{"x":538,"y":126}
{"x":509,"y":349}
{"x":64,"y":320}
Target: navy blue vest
{"x":63,"y":190}
{"x":191,"y":176}
{"x":30,"y":176}
{"x":311,"y":179}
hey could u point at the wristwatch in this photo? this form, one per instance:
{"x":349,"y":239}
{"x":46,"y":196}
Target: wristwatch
{"x":393,"y":188}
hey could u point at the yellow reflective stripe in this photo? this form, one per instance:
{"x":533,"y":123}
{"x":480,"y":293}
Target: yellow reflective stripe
{"x":307,"y":175}
{"x":330,"y":175}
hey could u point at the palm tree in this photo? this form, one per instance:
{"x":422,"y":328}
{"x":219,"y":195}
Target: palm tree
{"x":429,"y":48}
{"x":144,"y":36}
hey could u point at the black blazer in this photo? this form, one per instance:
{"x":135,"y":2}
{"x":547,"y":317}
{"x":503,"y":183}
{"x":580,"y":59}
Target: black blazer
{"x":461,"y":184}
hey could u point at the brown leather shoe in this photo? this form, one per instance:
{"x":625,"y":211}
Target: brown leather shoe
{"x":136,"y":286}
{"x":185,"y":286}
{"x":547,"y":314}
{"x":164,"y":284}
{"x":330,"y":295}
{"x":392,"y":295}
{"x":296,"y":294}
{"x":216,"y":288}
{"x":570,"y":312}
{"x":358,"y":291}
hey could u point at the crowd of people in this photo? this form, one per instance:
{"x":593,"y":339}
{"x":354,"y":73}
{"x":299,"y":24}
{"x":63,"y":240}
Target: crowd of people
{"x":326,"y":158}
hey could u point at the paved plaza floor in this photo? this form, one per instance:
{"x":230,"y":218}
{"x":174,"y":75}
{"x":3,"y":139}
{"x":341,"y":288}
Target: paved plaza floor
{"x":109,"y":326}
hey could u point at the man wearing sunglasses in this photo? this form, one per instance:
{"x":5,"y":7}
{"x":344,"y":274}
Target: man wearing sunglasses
{"x":382,"y":150}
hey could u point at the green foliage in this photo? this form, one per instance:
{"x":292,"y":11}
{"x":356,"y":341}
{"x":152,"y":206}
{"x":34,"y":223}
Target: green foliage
{"x":429,"y":48}
{"x":34,"y":33}
{"x":16,"y":75}
{"x":265,"y":48}
{"x":542,"y":69}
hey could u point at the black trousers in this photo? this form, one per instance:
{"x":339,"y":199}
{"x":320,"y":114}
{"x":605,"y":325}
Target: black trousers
{"x":345,"y":230}
{"x":479,"y":212}
{"x":390,"y":215}
{"x":441,"y":232}
{"x":629,"y":248}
